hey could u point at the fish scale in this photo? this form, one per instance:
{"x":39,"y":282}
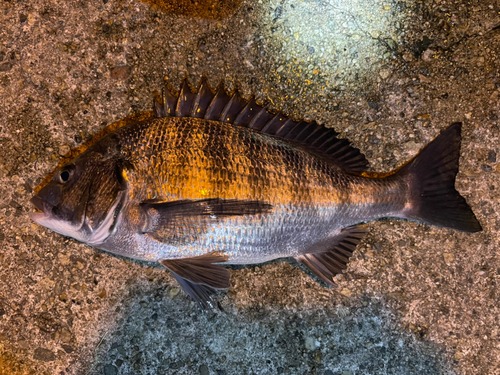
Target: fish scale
{"x":216,"y":179}
{"x":272,"y":174}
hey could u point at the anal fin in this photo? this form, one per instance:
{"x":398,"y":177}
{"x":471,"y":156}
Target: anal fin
{"x":199,"y":276}
{"x":327,"y":263}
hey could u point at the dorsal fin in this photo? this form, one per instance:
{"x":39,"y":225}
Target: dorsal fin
{"x":232,"y":108}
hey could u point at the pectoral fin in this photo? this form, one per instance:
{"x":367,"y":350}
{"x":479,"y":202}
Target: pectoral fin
{"x":212,"y":207}
{"x":184,"y":220}
{"x":327,"y":263}
{"x":199,"y":276}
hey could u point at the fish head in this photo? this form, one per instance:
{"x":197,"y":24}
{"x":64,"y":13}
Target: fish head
{"x":83,"y":199}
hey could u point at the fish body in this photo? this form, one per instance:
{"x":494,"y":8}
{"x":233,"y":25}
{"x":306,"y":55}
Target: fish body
{"x":178,"y":159}
{"x":211,"y":182}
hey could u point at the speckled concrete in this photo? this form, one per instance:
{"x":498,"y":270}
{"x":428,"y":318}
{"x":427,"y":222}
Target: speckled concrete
{"x":414,"y":300}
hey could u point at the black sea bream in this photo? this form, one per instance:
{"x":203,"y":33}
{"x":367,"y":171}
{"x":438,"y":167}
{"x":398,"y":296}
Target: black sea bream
{"x":215,"y":179}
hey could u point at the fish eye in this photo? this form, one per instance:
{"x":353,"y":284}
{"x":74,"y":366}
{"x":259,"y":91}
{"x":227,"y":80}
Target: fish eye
{"x":65,"y":174}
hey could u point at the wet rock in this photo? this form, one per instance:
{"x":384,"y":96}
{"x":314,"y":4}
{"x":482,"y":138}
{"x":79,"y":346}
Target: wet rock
{"x":5,"y":66}
{"x":492,"y":156}
{"x":120,"y":73}
{"x":278,"y":13}
{"x":448,"y":257}
{"x":427,"y":55}
{"x":67,"y":348}
{"x":42,"y":354}
{"x":384,"y":73}
{"x":486,"y":167}
{"x":63,"y":297}
{"x":421,"y":45}
{"x":374,"y":104}
{"x":110,"y":370}
{"x":176,"y":365}
{"x":63,"y":150}
{"x":46,"y":322}
{"x":311,"y":343}
{"x":120,"y":349}
{"x":204,"y":370}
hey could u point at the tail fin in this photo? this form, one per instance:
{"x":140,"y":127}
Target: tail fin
{"x":431,"y":177}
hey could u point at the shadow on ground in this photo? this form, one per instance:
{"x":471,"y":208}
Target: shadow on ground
{"x":159,"y":334}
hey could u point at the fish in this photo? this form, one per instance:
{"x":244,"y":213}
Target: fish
{"x":215,"y":179}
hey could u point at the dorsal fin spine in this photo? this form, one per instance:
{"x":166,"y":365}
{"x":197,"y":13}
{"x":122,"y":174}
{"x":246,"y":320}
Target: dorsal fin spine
{"x":313,"y":134}
{"x":323,"y":146}
{"x":277,"y":118}
{"x":214,"y":108}
{"x":241,"y":119}
{"x":184,"y":101}
{"x":295,"y":130}
{"x":318,"y":134}
{"x":256,"y":118}
{"x":335,"y":148}
{"x":304,"y":131}
{"x":287,"y":128}
{"x":224,"y":114}
{"x":203,"y":98}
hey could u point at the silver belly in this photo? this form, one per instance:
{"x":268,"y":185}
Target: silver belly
{"x":287,"y":232}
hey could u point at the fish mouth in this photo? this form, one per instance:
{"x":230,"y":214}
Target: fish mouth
{"x":45,"y":216}
{"x":42,"y":209}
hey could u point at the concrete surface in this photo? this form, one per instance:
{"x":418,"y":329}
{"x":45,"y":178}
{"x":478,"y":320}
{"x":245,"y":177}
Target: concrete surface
{"x":414,"y":300}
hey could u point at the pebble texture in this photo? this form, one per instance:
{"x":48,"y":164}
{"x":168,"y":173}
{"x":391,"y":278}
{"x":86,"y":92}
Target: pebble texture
{"x":414,"y":300}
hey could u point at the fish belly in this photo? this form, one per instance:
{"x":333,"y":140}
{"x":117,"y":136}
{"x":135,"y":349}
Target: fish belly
{"x":288,"y":231}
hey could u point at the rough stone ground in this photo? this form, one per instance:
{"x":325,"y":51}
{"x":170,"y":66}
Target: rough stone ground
{"x":414,"y":300}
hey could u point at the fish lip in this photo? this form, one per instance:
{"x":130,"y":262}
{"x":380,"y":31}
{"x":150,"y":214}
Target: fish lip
{"x":38,"y":217}
{"x":42,"y":209}
{"x":38,"y":203}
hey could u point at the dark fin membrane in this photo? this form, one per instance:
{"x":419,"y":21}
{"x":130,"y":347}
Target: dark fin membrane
{"x":199,"y":276}
{"x":165,"y":107}
{"x":431,"y":176}
{"x":217,"y":104}
{"x":203,"y":98}
{"x":184,"y":220}
{"x":232,"y":108}
{"x":185,"y":102}
{"x":327,"y":264}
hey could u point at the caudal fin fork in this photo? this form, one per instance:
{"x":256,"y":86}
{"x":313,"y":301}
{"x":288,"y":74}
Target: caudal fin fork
{"x":432,"y":173}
